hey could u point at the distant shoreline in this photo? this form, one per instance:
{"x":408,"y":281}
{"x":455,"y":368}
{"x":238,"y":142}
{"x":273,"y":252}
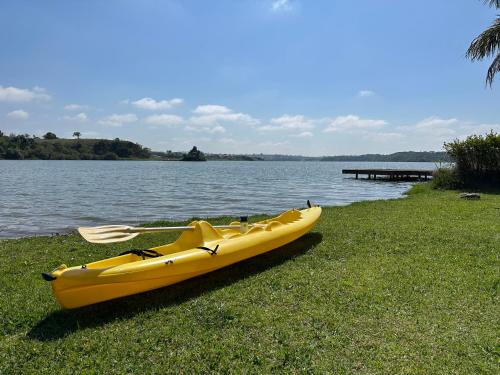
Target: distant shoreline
{"x":26,"y":147}
{"x":223,"y":160}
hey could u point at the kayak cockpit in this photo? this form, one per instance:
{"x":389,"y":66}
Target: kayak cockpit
{"x":204,"y":236}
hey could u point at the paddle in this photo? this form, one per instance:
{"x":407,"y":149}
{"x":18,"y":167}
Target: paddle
{"x":120,"y":233}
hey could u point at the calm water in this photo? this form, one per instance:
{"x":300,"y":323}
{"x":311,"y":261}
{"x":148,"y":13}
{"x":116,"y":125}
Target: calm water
{"x":43,"y":197}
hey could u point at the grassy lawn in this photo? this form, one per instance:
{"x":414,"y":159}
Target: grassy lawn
{"x":401,"y":286}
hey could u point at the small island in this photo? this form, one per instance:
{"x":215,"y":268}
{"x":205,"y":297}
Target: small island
{"x":194,"y":155}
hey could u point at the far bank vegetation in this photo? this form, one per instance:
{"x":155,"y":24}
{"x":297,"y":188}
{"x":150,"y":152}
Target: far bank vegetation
{"x":24,"y":146}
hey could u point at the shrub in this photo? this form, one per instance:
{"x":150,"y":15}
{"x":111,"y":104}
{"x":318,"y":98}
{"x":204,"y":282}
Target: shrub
{"x":477,"y":159}
{"x":100,"y":147}
{"x":194,"y":155}
{"x":49,"y":135}
{"x":13,"y":154}
{"x":110,"y":156}
{"x":446,"y":178}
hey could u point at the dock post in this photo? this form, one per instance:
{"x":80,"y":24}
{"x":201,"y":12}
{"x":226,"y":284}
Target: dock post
{"x":356,"y":176}
{"x":374,"y":176}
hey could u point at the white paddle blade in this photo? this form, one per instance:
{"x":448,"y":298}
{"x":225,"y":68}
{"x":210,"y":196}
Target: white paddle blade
{"x":107,"y":234}
{"x":104,"y":229}
{"x":109,"y":238}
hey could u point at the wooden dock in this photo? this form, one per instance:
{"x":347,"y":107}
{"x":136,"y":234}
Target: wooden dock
{"x":393,"y":174}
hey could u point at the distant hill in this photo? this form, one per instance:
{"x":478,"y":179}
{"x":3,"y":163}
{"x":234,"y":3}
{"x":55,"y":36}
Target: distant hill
{"x":406,"y":156}
{"x":50,"y":147}
{"x":27,"y":147}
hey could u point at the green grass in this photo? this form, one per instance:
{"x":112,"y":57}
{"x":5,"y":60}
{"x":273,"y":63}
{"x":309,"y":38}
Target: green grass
{"x":401,"y":286}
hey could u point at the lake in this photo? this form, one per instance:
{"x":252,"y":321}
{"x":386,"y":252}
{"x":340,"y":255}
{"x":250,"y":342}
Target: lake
{"x":44,"y":197}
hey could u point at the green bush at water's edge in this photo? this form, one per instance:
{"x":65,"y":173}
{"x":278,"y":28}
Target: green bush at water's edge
{"x":477,"y":163}
{"x":446,"y":178}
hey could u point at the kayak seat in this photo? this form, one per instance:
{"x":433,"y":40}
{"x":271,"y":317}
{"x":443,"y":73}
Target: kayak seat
{"x":289,"y":216}
{"x":202,"y":234}
{"x":273,"y":225}
{"x":255,"y":230}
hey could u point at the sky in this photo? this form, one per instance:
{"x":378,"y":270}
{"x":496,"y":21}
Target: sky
{"x":323,"y":77}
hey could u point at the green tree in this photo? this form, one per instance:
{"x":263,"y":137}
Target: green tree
{"x":77,"y":134}
{"x":49,"y":135}
{"x":110,"y":156}
{"x":194,"y":155}
{"x":487,"y":44}
{"x":13,"y":154}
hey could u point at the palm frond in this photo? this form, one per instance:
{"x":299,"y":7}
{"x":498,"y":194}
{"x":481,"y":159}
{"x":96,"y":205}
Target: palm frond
{"x":492,"y":3}
{"x":487,"y":43}
{"x":492,"y":70}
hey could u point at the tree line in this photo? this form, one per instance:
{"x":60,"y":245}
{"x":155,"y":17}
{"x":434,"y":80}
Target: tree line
{"x":50,"y":147}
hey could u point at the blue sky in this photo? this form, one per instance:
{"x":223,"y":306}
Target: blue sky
{"x":273,"y":76}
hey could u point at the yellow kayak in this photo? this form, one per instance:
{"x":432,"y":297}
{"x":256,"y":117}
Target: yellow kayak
{"x":195,"y":252}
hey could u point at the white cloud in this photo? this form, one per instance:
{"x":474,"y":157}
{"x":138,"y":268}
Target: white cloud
{"x":303,"y":135}
{"x":433,"y":126}
{"x":41,"y":93}
{"x":435,"y":122}
{"x":292,"y":122}
{"x":80,"y":117}
{"x":208,"y":120}
{"x":281,"y":5}
{"x":164,"y":120}
{"x":75,"y":107}
{"x":18,"y":114}
{"x":287,"y":122}
{"x":207,"y":129}
{"x":352,"y":123}
{"x":154,"y":105}
{"x":366,"y":93}
{"x":383,"y":136}
{"x":211,"y":109}
{"x":14,"y":94}
{"x":273,"y":144}
{"x":118,"y":120}
{"x":214,"y":115}
{"x":217,"y":129}
{"x":468,"y":128}
{"x":231,"y":141}
{"x":433,"y":131}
